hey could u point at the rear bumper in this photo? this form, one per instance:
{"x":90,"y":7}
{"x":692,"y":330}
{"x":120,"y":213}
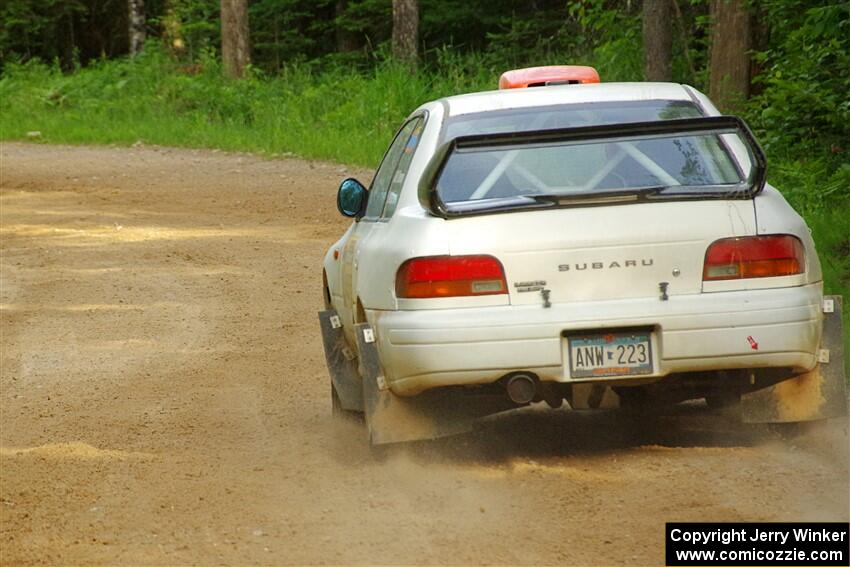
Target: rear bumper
{"x":426,"y":349}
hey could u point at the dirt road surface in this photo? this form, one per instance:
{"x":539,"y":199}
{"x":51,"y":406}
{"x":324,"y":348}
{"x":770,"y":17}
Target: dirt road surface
{"x":165,"y":401}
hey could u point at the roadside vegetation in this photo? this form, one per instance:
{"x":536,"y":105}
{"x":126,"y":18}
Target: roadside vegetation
{"x":330,"y":114}
{"x":340,"y":97}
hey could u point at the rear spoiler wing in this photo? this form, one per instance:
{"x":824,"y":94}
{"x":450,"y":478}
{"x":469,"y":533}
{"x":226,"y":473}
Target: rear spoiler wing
{"x":431,"y":201}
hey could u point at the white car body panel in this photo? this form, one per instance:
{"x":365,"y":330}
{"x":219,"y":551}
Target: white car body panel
{"x":578,"y":264}
{"x":428,"y":343}
{"x":426,"y":349}
{"x":565,"y":94}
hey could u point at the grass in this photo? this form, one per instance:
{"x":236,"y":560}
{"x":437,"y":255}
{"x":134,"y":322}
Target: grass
{"x":335,"y":114}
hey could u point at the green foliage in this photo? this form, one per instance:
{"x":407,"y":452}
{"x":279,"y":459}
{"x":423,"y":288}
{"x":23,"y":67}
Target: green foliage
{"x":335,"y":114}
{"x":71,"y":31}
{"x":193,"y":25}
{"x":615,"y":56}
{"x":287,"y":27}
{"x":805,"y":103}
{"x":510,"y":32}
{"x":37,"y":28}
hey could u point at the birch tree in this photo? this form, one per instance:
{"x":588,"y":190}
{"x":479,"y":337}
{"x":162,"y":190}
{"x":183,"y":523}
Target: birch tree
{"x":136,"y":31}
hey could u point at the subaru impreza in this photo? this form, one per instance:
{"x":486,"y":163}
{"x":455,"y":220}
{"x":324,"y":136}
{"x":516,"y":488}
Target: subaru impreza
{"x":563,"y":240}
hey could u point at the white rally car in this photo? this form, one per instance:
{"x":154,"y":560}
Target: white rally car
{"x":560,"y":239}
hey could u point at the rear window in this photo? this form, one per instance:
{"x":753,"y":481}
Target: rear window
{"x":683,"y":158}
{"x":566,"y":116}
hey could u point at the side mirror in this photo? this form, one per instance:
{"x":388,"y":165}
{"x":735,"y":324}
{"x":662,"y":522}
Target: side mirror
{"x":351,"y":198}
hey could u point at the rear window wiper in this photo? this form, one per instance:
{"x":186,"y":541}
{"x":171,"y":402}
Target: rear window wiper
{"x":637,"y":193}
{"x":628,"y":193}
{"x":545,"y":200}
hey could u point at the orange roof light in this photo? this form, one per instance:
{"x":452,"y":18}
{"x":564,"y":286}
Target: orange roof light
{"x":551,"y":75}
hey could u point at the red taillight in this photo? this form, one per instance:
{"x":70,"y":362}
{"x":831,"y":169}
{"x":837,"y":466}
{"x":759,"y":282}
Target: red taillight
{"x":450,"y":276}
{"x":754,"y":257}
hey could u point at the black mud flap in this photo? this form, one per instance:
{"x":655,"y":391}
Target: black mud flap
{"x":342,"y":362}
{"x":818,"y":394}
{"x":429,"y":415}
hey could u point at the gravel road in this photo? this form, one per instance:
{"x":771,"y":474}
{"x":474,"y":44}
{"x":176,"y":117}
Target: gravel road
{"x":164,"y":399}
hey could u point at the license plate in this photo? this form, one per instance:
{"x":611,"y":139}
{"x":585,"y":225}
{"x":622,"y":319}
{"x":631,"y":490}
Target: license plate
{"x":609,"y":354}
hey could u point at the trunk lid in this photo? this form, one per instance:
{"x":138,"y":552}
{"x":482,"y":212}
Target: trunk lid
{"x":603,"y":252}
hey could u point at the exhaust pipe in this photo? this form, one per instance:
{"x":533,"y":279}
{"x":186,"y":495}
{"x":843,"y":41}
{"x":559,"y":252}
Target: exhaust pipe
{"x":521,"y":388}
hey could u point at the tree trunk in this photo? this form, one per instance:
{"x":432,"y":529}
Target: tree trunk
{"x":235,"y":50}
{"x":67,"y":44}
{"x":759,"y":41}
{"x":729,"y":66}
{"x":657,"y":40}
{"x":346,"y":40}
{"x":406,"y":31}
{"x":137,"y":26}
